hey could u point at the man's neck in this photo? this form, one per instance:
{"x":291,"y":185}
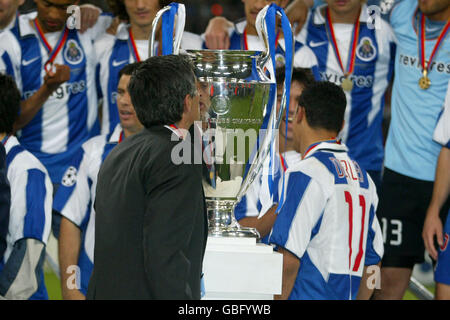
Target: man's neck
{"x":443,"y":15}
{"x":7,"y":22}
{"x":343,"y":17}
{"x":141,"y":32}
{"x":314,"y":136}
{"x":251,"y":30}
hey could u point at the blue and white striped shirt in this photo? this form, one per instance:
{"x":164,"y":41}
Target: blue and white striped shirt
{"x":75,"y":197}
{"x":68,"y":117}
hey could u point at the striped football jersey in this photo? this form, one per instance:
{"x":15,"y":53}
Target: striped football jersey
{"x":30,"y":217}
{"x":327,"y":220}
{"x":75,"y":197}
{"x":374,"y":62}
{"x":69,"y":115}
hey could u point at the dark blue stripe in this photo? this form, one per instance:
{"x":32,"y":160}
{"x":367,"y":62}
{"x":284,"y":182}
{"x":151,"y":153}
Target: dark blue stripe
{"x":9,"y":271}
{"x":316,"y":34}
{"x":31,"y":136}
{"x":12,"y":153}
{"x":85,"y":264}
{"x":120,"y":52}
{"x":325,"y":159}
{"x":107,"y":149}
{"x":36,"y":193}
{"x":297,"y":184}
{"x":372,"y":257}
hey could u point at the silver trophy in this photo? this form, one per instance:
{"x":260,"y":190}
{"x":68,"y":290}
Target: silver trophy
{"x":239,"y":121}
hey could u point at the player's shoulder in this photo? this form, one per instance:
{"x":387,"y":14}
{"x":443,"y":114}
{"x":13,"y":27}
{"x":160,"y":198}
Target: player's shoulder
{"x":95,"y":144}
{"x":402,"y":11}
{"x":21,"y":160}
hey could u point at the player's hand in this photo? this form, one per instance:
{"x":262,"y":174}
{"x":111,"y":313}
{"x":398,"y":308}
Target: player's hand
{"x":297,"y":12}
{"x":89,"y":16}
{"x":74,"y":295}
{"x":54,"y":78}
{"x":216,"y":34}
{"x":432,"y":228}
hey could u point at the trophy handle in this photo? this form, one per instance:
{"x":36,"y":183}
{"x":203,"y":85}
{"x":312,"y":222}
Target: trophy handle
{"x":172,"y":47}
{"x":265,"y":28}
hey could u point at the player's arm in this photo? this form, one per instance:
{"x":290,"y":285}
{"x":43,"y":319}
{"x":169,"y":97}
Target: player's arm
{"x":297,"y":13}
{"x":31,"y":106}
{"x":291,"y":264}
{"x":69,"y":245}
{"x":369,"y":281}
{"x":29,"y":230}
{"x":433,"y":226}
{"x":217,"y":33}
{"x":263,"y":224}
{"x":72,"y":201}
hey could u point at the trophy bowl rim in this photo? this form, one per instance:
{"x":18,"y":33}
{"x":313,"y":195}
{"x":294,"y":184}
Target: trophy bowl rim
{"x":235,"y":53}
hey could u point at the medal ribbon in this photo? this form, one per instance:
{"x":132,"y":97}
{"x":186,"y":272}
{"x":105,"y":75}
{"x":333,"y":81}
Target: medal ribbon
{"x":311,"y":147}
{"x":425,"y":65}
{"x":122,"y":135}
{"x":52,"y":52}
{"x":5,"y":139}
{"x":351,"y":60}
{"x":132,"y":45}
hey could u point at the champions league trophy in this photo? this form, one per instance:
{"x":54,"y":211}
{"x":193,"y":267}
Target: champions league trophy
{"x":239,"y":117}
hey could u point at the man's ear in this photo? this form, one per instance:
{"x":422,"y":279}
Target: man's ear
{"x":300,"y":114}
{"x":187,"y":103}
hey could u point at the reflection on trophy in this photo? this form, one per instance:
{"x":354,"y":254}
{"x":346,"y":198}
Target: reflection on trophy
{"x":238,"y":123}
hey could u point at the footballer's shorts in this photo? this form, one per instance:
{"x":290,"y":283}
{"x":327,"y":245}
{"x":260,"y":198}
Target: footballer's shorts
{"x":401,"y":211}
{"x":442,"y":271}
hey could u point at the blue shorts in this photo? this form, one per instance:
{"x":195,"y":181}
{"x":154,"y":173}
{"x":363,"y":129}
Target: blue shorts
{"x":442,"y":272}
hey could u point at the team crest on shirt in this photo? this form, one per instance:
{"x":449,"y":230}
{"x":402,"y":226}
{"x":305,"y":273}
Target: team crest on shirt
{"x":366,"y":51}
{"x":73,"y":53}
{"x":69,"y":177}
{"x":279,"y":60}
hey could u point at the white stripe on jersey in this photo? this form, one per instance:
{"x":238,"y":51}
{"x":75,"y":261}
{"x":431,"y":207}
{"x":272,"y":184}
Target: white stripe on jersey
{"x":442,"y":131}
{"x":18,"y":173}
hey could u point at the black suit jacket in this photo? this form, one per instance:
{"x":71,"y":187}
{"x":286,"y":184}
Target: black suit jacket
{"x":151,"y":225}
{"x":5,"y":201}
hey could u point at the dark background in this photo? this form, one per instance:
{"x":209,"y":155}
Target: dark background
{"x":198,"y":12}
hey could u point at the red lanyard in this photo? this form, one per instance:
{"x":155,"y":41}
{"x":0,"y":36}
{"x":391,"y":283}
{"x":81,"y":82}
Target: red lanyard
{"x":424,"y":82}
{"x":311,"y":147}
{"x":52,"y":52}
{"x":132,"y":45}
{"x":5,"y":139}
{"x":351,"y":62}
{"x":121,"y":137}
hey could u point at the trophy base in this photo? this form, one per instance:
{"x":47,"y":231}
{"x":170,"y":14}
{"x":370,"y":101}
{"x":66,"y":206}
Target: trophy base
{"x":237,"y":232}
{"x":222,"y":222}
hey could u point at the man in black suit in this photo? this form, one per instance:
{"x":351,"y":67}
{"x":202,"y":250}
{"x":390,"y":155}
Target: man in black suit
{"x":151,"y":226}
{"x":5,"y":200}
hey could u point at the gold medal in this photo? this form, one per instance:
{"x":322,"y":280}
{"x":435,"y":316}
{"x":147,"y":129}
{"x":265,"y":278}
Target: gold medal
{"x":347,"y":84}
{"x":424,"y":82}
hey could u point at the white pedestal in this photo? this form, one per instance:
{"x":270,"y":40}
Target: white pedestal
{"x":240,"y":268}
